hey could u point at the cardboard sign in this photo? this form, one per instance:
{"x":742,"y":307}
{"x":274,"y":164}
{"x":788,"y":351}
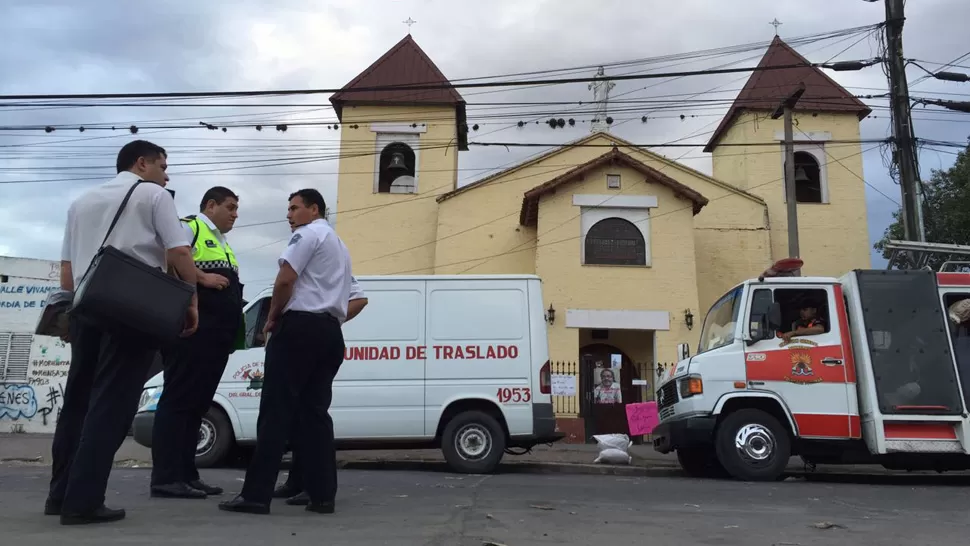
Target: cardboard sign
{"x":642,"y":418}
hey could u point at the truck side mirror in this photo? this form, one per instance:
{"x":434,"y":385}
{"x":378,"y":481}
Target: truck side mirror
{"x":773,"y":317}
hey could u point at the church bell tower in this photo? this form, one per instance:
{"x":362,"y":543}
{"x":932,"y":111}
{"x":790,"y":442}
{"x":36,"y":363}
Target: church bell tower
{"x":398,"y":152}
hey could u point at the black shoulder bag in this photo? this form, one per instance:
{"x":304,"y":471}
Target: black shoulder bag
{"x":122,"y":295}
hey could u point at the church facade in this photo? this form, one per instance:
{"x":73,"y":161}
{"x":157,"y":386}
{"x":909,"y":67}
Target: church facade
{"x":632,"y":247}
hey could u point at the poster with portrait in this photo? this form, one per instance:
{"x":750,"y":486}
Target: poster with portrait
{"x":606,"y":381}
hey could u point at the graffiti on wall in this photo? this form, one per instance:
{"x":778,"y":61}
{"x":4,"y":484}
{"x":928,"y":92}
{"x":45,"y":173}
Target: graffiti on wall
{"x":35,"y":405}
{"x":17,"y":402}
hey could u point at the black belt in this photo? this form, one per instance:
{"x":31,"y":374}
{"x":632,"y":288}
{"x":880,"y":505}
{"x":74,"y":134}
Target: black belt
{"x":312,"y":314}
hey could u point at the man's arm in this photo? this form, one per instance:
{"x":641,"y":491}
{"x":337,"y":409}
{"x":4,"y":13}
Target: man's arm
{"x":355,"y":307}
{"x":67,"y":272}
{"x":282,"y":292}
{"x":292,"y":262}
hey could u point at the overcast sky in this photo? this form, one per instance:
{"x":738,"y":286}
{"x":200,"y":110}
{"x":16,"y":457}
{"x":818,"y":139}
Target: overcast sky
{"x":109,"y":46}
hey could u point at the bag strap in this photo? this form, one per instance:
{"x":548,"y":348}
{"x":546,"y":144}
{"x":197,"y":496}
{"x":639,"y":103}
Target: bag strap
{"x":121,"y":209}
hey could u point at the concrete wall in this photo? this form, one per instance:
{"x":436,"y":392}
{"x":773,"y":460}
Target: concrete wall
{"x":33,"y":369}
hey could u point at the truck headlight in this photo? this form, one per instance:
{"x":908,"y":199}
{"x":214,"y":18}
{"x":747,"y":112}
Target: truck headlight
{"x":691,"y":385}
{"x":149,"y":397}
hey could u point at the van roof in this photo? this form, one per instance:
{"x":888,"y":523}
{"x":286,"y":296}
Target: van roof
{"x":512,"y":277}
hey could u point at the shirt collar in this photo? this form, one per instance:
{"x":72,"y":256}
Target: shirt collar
{"x":208,"y":222}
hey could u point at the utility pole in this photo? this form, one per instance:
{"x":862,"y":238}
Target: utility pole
{"x":785,"y":109}
{"x":912,"y":213}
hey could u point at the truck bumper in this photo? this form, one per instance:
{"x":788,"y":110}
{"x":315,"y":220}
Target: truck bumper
{"x":691,"y":432}
{"x":142,"y":428}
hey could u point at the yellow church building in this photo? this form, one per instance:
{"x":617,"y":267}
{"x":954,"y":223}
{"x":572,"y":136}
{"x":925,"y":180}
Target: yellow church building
{"x":632,"y":247}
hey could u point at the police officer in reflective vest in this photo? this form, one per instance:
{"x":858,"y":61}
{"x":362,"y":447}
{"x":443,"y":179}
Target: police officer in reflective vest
{"x":194,"y":366}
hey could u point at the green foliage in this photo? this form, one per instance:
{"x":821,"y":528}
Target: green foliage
{"x":946,"y":209}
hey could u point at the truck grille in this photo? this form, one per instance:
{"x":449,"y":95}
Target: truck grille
{"x":667,"y":395}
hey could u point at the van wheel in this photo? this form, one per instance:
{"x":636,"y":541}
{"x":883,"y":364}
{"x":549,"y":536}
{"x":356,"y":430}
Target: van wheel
{"x":215,"y":439}
{"x":699,"y":463}
{"x":753,"y":446}
{"x":473,"y":442}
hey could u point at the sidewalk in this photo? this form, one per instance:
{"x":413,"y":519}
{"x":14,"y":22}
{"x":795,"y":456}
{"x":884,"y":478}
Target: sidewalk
{"x":34,"y":449}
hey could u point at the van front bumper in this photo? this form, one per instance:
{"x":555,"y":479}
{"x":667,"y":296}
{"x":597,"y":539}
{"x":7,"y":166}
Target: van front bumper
{"x":690,"y":432}
{"x":142,"y":428}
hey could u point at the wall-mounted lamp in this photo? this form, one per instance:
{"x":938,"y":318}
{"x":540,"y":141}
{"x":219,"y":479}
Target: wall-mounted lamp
{"x":689,"y":319}
{"x":550,"y":315}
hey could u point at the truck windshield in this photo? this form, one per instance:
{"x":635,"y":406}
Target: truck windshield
{"x":721,"y":321}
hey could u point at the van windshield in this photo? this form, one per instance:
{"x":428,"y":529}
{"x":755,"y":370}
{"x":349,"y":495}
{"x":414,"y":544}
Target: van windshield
{"x":721,"y":322}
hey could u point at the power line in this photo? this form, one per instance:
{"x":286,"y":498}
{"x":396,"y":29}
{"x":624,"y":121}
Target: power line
{"x":421,"y":87}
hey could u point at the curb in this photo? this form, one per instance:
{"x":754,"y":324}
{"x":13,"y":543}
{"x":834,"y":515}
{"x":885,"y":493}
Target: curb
{"x":518,"y":468}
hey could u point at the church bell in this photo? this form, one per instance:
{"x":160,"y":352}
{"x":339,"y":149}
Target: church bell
{"x":801,"y":175}
{"x":397,"y":163}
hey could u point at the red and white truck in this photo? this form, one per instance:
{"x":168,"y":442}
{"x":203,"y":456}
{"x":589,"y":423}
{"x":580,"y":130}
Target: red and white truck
{"x":884,"y":380}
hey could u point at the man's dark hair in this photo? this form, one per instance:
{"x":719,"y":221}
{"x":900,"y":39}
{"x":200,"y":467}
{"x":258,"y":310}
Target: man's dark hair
{"x":219,"y":194}
{"x":311,"y":197}
{"x":129,"y":153}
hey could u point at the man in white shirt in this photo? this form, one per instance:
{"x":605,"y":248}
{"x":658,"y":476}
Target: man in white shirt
{"x":292,"y":489}
{"x":107,"y":370}
{"x":310,"y":301}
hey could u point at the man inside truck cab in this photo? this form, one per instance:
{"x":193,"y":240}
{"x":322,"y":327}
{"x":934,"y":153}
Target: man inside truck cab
{"x":808,"y":323}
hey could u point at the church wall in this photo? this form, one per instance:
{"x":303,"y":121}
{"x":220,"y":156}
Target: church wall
{"x":833,"y":237}
{"x":393,"y":233}
{"x":669,"y":284}
{"x":731,"y":238}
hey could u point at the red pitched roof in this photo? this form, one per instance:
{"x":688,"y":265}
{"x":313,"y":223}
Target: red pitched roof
{"x":529,"y":215}
{"x":404,"y":64}
{"x":766,"y":89}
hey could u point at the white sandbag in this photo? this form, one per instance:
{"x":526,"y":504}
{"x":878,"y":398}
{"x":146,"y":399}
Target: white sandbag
{"x":613,"y":448}
{"x":613,"y":456}
{"x":615,"y":441}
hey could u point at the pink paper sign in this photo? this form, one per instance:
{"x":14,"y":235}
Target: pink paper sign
{"x":642,"y":418}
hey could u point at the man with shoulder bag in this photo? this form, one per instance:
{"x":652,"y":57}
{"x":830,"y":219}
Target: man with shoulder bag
{"x":119,"y":238}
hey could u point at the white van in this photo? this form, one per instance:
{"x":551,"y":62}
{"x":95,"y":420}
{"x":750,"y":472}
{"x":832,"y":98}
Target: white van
{"x":457,"y":362}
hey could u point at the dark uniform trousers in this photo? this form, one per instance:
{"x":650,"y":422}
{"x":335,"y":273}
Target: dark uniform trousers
{"x":104,"y":384}
{"x":302,"y":358}
{"x":193,"y":368}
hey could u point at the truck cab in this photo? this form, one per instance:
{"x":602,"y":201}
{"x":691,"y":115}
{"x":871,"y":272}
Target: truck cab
{"x":852,"y":370}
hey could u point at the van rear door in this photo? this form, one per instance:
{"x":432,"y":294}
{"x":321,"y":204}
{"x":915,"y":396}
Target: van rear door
{"x":479,"y":348}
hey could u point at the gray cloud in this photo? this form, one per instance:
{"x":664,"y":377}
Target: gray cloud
{"x":107,"y":46}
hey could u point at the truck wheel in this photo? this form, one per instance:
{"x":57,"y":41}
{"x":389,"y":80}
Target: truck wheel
{"x":753,"y":446}
{"x":215,"y":439}
{"x":699,"y":463}
{"x":473,"y":442}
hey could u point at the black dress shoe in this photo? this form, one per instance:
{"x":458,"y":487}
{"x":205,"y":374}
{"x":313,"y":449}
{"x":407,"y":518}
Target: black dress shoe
{"x":301,"y":499}
{"x":177,"y":490}
{"x":321,"y":507}
{"x":239,"y":504}
{"x":205,"y":488}
{"x":52,"y":507}
{"x":99,"y":515}
{"x":286,"y":491}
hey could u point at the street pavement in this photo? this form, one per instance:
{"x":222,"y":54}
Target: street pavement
{"x":435,"y":508}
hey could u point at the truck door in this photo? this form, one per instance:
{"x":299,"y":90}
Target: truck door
{"x":810,"y":373}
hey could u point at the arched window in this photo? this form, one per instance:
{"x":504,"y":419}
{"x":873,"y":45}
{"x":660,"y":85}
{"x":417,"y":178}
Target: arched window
{"x":808,"y":179}
{"x":615,"y":241}
{"x":396,"y":169}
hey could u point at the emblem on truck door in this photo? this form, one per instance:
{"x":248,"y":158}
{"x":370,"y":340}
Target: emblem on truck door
{"x":801,"y":369}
